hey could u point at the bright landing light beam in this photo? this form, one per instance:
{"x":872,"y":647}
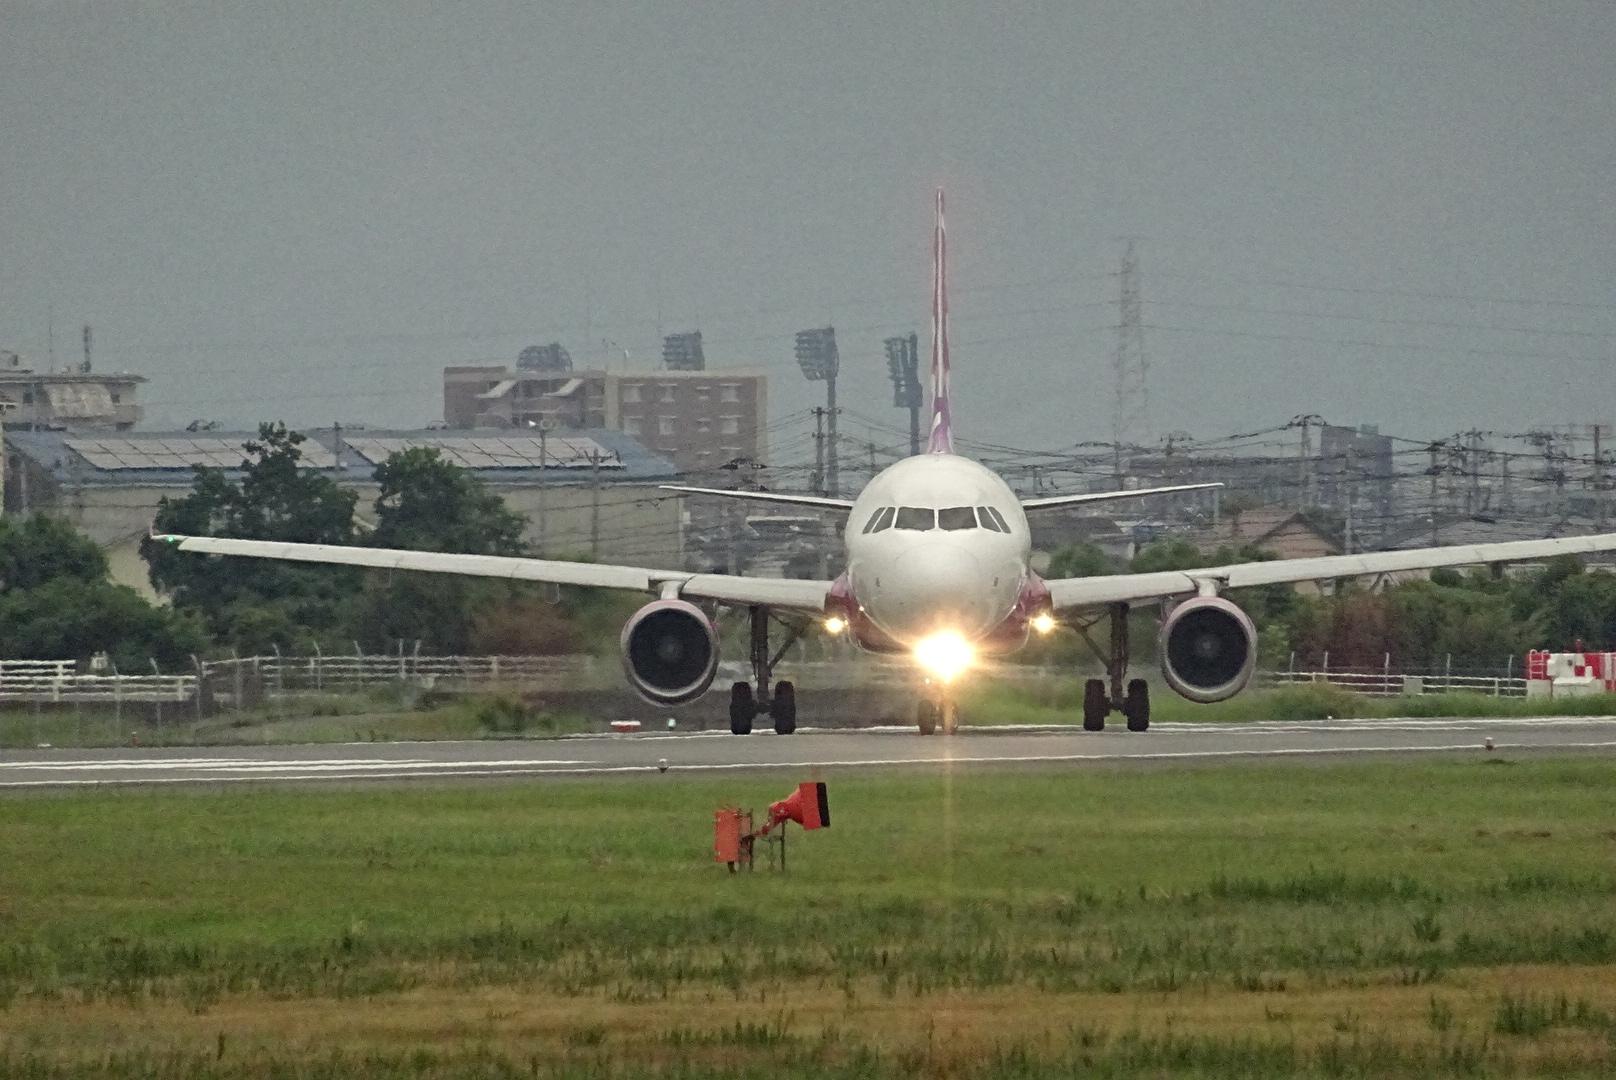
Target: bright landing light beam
{"x":944,"y":655}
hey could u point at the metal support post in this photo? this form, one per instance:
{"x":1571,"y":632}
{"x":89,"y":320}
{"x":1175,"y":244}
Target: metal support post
{"x":760,"y":653}
{"x":1119,"y":653}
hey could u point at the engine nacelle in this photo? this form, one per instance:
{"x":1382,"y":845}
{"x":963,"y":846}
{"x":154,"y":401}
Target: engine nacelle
{"x":1208,"y":649}
{"x":670,"y":652}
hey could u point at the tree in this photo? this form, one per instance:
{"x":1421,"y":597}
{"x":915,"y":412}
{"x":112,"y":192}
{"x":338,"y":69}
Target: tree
{"x":1080,"y":560}
{"x":57,"y":604}
{"x":39,"y":548}
{"x":255,"y":604}
{"x":428,"y":504}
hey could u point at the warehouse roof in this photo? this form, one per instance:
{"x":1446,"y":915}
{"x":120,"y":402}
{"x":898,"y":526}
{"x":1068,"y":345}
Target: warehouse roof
{"x":167,"y":458}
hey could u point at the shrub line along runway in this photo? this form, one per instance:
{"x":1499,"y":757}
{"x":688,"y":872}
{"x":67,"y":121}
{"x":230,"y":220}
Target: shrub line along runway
{"x":703,"y":752}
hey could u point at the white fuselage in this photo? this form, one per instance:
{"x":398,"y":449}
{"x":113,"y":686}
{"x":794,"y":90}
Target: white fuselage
{"x":937,"y":542}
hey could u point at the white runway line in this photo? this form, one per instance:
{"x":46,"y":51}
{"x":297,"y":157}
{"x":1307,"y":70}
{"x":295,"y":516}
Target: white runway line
{"x":454,"y":770}
{"x":259,"y":765}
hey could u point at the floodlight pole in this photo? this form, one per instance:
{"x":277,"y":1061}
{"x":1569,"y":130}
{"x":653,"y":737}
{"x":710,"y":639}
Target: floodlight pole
{"x":912,"y":377}
{"x":831,"y":481}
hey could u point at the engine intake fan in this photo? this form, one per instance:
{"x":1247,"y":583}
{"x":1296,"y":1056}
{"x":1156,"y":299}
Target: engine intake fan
{"x":1208,"y":649}
{"x":670,"y":652}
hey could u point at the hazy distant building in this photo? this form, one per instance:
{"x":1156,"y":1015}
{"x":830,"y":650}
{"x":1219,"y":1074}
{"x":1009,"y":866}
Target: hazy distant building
{"x":1356,"y":464}
{"x":56,"y":399}
{"x":701,"y":420}
{"x":597,"y":492}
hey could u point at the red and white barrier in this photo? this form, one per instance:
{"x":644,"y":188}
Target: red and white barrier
{"x":1569,"y":674}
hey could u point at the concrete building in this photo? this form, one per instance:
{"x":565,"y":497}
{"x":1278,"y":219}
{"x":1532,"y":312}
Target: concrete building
{"x":57,"y":399}
{"x":595,"y":494}
{"x":698,"y":419}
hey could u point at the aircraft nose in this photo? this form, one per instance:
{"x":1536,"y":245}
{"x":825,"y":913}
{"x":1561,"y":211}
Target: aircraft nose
{"x":931,"y":587}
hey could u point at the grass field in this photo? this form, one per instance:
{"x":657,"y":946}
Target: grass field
{"x":1440,"y":918}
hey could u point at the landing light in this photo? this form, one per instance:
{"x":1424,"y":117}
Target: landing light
{"x":835,"y":624}
{"x":945,"y":655}
{"x":1043,"y":622}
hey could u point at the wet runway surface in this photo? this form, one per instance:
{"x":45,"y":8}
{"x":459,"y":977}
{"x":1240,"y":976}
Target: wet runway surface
{"x":708,"y":752}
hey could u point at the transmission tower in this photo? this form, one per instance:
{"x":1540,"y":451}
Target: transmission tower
{"x":1131,"y":411}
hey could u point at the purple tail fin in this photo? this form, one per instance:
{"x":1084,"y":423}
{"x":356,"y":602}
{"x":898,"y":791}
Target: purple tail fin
{"x":941,"y":440}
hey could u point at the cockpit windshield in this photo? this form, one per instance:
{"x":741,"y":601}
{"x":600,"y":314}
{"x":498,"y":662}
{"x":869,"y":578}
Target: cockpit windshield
{"x":916,"y":517}
{"x":925,"y":519}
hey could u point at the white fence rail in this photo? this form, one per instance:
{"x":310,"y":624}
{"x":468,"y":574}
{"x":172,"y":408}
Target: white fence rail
{"x":247,"y":681}
{"x":284,"y":674}
{"x":1397,"y":684}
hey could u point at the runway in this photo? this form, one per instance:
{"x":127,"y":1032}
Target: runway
{"x":711,"y":752}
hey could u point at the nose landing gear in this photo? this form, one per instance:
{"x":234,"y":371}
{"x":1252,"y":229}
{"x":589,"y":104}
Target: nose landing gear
{"x":745,"y":703}
{"x":1099,"y":700}
{"x":932,"y":713}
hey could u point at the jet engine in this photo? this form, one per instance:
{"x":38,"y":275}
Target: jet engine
{"x":670,"y":652}
{"x":1208,"y":649}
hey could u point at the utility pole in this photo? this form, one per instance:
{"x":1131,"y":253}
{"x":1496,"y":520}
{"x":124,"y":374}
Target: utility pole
{"x":832,"y":481}
{"x":544,"y":436}
{"x":1436,"y":472}
{"x":1304,"y":465}
{"x":1352,"y":495}
{"x":1472,"y":460}
{"x":1599,"y":476}
{"x":85,"y":368}
{"x":594,"y":504}
{"x":1130,"y":370}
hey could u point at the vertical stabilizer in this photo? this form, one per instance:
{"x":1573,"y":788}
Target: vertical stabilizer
{"x":941,"y":440}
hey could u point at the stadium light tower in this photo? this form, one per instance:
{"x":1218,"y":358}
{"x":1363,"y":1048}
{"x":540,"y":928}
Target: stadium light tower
{"x":819,"y":360}
{"x":683,"y":352}
{"x":903,"y":365}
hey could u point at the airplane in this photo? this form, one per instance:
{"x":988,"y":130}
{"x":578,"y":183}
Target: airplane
{"x":938,"y":568}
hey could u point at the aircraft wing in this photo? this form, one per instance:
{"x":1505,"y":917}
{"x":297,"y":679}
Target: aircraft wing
{"x":780,"y":593}
{"x":817,"y":501}
{"x":1053,"y":501}
{"x":1070,"y":593}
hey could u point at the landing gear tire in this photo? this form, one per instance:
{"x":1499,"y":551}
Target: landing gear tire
{"x":783,"y":708}
{"x":1095,"y":705}
{"x":926,"y":716}
{"x":742,"y":708}
{"x":1137,"y":706}
{"x":950,"y":717}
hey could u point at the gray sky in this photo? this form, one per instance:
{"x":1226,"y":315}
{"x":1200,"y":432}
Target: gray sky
{"x":306,"y":210}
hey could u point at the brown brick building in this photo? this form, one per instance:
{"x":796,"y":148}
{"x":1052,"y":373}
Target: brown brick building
{"x":698,"y":419}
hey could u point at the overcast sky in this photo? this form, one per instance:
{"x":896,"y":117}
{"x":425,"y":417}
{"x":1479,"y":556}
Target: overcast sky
{"x":1386,"y":213}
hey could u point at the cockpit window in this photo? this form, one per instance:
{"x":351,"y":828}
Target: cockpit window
{"x":881,"y":519}
{"x":990,"y":513}
{"x":916,"y":517}
{"x":955,"y":518}
{"x":985,"y":515}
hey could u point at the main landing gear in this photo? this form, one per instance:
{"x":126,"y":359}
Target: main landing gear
{"x":932,"y":713}
{"x":747,"y":703}
{"x":1099,"y":700}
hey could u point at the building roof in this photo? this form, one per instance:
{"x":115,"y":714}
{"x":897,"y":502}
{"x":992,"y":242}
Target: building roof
{"x":1261,"y":525}
{"x":506,"y":457}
